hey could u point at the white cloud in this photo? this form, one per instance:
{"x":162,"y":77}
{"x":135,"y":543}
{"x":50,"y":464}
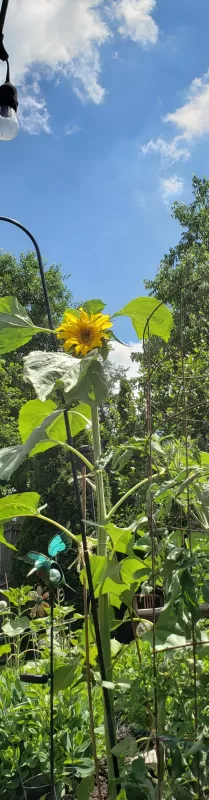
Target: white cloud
{"x":191,"y":121}
{"x":71,"y":129}
{"x":169,"y":150}
{"x":170,"y":187}
{"x":120,"y":356}
{"x":64,"y":37}
{"x":86,"y":70}
{"x":135,"y":20}
{"x":54,"y":33}
{"x":57,"y":37}
{"x":33,"y":113}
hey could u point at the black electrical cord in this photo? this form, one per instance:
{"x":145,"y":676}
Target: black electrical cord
{"x":4,"y":7}
{"x":3,"y":54}
{"x":79,"y":505}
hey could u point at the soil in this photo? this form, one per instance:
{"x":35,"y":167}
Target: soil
{"x":124,"y":730}
{"x":102,"y":782}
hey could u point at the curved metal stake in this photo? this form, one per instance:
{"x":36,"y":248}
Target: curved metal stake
{"x":52,"y":793}
{"x":78,"y":499}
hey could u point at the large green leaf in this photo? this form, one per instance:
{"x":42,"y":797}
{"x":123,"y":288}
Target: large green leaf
{"x":93,"y":387}
{"x":51,"y":425}
{"x":79,"y":418}
{"x":15,"y":627}
{"x":122,"y":538}
{"x":82,"y":378}
{"x":85,"y":788}
{"x":132,"y":569}
{"x":19,"y":505}
{"x":98,"y":569}
{"x":140,"y":309}
{"x":47,"y":370}
{"x":65,"y":676}
{"x":32,"y":414}
{"x":204,"y":459}
{"x":112,"y":585}
{"x":4,"y":649}
{"x":4,"y":541}
{"x":106,"y":576}
{"x":39,"y":440}
{"x":115,"y":600}
{"x":12,"y":457}
{"x":16,"y":328}
{"x":168,"y":632}
{"x":94,"y":306}
{"x":115,"y":646}
{"x":98,"y":382}
{"x":127,"y":747}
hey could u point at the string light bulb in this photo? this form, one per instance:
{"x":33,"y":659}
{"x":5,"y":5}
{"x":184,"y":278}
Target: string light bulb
{"x":9,"y":125}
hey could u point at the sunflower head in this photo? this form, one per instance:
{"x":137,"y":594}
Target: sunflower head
{"x":83,"y":332}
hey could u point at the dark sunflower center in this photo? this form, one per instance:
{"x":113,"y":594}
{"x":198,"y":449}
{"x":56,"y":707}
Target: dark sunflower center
{"x":86,"y":335}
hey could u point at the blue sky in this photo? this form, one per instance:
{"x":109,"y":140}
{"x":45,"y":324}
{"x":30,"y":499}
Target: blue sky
{"x":114,"y":120}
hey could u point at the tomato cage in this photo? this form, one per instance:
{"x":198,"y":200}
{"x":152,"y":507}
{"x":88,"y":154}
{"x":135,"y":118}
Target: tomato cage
{"x":178,"y":526}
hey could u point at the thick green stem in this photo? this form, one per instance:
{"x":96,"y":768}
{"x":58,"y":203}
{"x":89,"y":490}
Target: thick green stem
{"x":132,"y":491}
{"x":57,"y":525}
{"x":76,"y":453}
{"x":104,"y":619}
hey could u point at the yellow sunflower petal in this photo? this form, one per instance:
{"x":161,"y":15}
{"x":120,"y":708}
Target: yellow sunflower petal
{"x":85,"y":332}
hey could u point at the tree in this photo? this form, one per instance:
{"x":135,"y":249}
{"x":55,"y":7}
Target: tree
{"x":186,"y":265}
{"x":22,"y":280}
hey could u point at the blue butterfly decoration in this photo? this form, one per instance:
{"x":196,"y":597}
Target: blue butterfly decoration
{"x":58,"y":544}
{"x":46,"y":567}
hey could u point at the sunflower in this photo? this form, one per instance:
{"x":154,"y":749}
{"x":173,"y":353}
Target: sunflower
{"x":83,"y":332}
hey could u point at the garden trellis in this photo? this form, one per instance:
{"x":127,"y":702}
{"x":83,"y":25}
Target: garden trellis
{"x":185,"y":413}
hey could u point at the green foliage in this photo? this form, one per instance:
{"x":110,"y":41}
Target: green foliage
{"x":120,"y":420}
{"x":19,"y":505}
{"x":82,"y":379}
{"x":22,"y":279}
{"x":16,"y":328}
{"x":66,"y":676}
{"x":4,"y":541}
{"x":79,"y":418}
{"x":52,"y":427}
{"x":151,"y":682}
{"x":16,"y":627}
{"x":32,"y":414}
{"x":121,"y":538}
{"x":85,"y":788}
{"x":24,"y":736}
{"x":49,"y":475}
{"x":185,"y":265}
{"x":94,"y":306}
{"x":141,"y":310}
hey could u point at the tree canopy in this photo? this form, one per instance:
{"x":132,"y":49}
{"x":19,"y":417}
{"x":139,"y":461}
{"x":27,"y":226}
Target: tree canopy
{"x":186,"y":268}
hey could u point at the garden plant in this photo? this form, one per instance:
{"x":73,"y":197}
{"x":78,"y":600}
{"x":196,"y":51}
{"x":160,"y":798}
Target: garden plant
{"x":132,"y":719}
